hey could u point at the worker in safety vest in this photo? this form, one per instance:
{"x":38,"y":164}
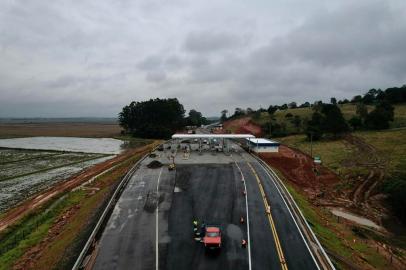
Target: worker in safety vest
{"x":195,"y":227}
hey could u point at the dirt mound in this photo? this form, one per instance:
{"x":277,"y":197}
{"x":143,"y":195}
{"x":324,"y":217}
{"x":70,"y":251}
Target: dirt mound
{"x":243,"y":125}
{"x":154,"y":164}
{"x":298,"y":168}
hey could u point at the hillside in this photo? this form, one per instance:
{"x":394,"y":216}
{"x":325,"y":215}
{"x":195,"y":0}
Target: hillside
{"x":348,"y":110}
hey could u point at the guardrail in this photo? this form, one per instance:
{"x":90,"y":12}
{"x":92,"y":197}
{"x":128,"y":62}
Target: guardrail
{"x":81,"y":260}
{"x":315,"y":245}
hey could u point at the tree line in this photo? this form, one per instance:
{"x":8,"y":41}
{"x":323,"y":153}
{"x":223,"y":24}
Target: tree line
{"x":157,"y":118}
{"x":327,"y":118}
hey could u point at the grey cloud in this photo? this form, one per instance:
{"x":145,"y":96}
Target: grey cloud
{"x":211,"y":55}
{"x":209,"y":41}
{"x":156,"y":76}
{"x":150,"y":62}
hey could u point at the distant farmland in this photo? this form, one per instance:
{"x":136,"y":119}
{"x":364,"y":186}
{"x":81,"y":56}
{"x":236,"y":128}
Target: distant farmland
{"x":59,"y":129}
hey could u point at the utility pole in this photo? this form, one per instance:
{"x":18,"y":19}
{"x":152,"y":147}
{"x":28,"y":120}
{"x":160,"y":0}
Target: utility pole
{"x":311,"y":144}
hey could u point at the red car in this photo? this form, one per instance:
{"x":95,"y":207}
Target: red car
{"x":212,"y":237}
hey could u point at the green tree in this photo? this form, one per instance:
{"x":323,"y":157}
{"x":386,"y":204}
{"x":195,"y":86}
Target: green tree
{"x":333,"y":101}
{"x":195,"y":118}
{"x":297,"y":121}
{"x":396,"y":188}
{"x":356,"y":99}
{"x":314,"y":126}
{"x":380,"y":117}
{"x":223,"y":117}
{"x":272,"y":109}
{"x":292,"y":105}
{"x":361,"y":111}
{"x":355,"y":122}
{"x":155,"y":118}
{"x":333,"y":121}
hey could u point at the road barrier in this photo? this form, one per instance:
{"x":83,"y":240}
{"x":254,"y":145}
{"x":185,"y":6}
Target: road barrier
{"x":318,"y":250}
{"x":83,"y":259}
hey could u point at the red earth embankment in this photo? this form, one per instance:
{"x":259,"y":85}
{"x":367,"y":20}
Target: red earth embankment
{"x":242,"y":125}
{"x":298,"y":168}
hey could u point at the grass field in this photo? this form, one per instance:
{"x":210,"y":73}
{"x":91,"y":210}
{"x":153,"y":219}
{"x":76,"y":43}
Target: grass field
{"x":390,"y":145}
{"x":95,"y":130}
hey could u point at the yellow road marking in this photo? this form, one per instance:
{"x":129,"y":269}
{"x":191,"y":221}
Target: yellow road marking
{"x":271,"y":221}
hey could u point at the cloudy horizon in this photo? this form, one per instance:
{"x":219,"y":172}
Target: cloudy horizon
{"x":90,"y":58}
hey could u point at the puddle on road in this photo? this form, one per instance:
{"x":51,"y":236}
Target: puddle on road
{"x":72,"y":144}
{"x":354,"y":218}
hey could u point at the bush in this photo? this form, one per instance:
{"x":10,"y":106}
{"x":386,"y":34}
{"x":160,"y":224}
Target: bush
{"x":380,"y":117}
{"x":396,"y":188}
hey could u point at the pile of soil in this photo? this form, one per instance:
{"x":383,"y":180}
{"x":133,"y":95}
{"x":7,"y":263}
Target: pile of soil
{"x":298,"y":168}
{"x":154,"y":164}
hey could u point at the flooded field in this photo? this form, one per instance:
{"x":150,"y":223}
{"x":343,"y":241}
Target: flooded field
{"x":71,"y":144}
{"x":26,"y":172}
{"x":41,"y":163}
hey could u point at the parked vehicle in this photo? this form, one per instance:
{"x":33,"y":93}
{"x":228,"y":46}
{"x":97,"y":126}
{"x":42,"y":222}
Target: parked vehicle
{"x":212,"y":237}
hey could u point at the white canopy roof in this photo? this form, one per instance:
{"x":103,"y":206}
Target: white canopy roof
{"x":261,"y":140}
{"x":216,"y":136}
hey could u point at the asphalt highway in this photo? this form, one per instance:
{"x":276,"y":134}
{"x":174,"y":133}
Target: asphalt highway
{"x":151,"y":225}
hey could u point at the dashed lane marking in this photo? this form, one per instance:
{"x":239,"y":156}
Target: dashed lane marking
{"x":247,"y":216}
{"x":156,"y":222}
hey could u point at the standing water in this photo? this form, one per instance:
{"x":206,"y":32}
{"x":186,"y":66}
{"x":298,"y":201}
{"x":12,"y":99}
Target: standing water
{"x":72,"y":144}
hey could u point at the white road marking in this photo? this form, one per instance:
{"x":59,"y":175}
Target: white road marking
{"x":156,"y":222}
{"x":247,"y":217}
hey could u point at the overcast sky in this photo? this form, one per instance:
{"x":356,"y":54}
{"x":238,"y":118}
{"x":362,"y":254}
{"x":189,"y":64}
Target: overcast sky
{"x":90,"y":58}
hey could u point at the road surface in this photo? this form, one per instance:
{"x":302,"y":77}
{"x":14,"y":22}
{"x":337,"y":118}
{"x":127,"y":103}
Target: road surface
{"x":151,"y":225}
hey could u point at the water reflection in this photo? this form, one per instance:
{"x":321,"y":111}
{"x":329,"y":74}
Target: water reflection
{"x":73,"y":144}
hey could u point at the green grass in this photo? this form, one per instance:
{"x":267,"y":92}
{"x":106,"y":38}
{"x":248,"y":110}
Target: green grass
{"x":133,"y":142}
{"x":32,"y":229}
{"x":348,"y":110}
{"x":332,"y":153}
{"x":390,"y":145}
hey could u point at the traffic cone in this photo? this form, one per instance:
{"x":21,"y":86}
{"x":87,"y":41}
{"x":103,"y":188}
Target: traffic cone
{"x":268,"y":209}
